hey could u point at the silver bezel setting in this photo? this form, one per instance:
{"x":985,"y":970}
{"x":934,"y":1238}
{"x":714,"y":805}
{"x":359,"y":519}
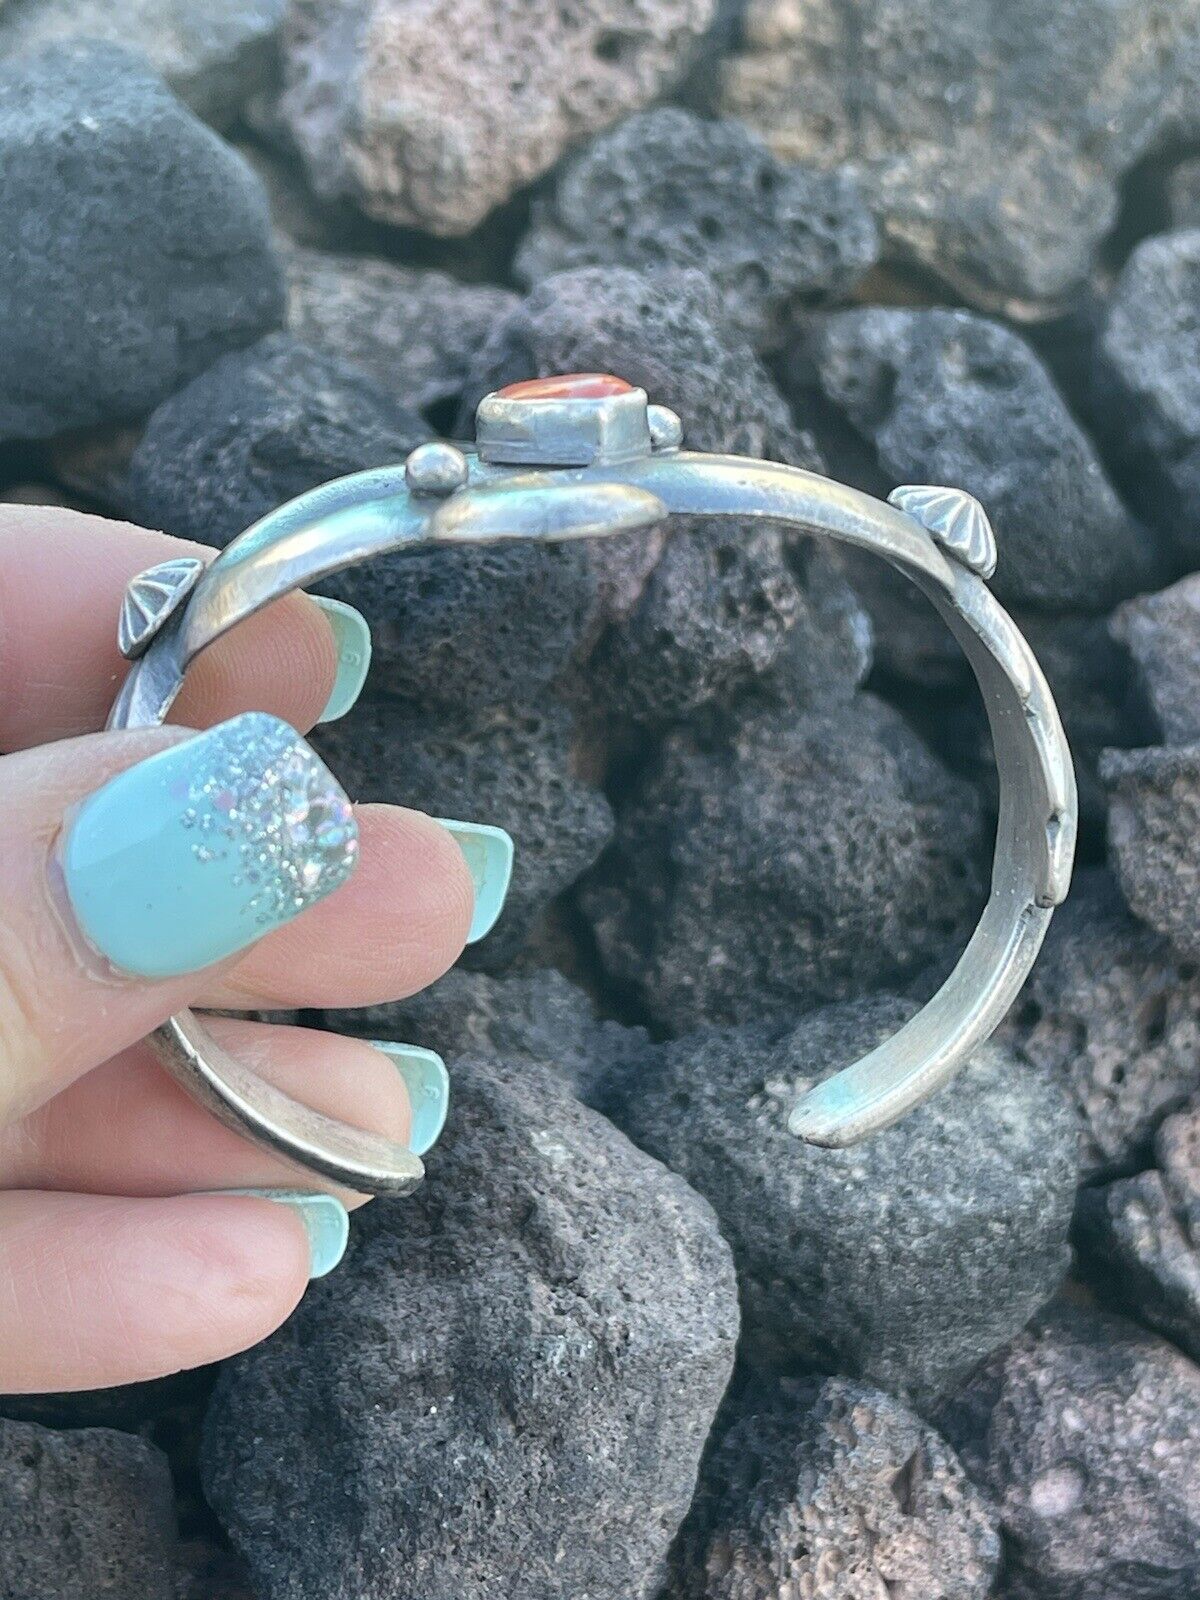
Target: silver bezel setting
{"x":512,"y":431}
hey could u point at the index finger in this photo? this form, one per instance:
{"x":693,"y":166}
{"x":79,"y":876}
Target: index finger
{"x":62,"y":577}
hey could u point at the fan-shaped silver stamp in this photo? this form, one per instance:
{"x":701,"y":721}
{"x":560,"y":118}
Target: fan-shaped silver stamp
{"x":955,"y":519}
{"x":152,"y":597}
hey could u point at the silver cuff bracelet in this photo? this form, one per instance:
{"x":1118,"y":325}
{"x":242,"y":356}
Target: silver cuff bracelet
{"x":587,"y":456}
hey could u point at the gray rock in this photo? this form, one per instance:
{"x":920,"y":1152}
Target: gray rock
{"x":1154,"y":837}
{"x":213,"y":56}
{"x":990,"y":141}
{"x":1115,"y":1016}
{"x":136,"y":245}
{"x":775,"y":861}
{"x":1148,"y":380}
{"x":491,"y":96}
{"x":1183,"y":193}
{"x":1162,"y":633}
{"x":415,"y":332}
{"x":1085,"y":1433}
{"x":696,"y":614}
{"x":506,"y":1387}
{"x":669,"y":189}
{"x":84,"y":1513}
{"x":837,"y":1492}
{"x":512,"y":769}
{"x":950,"y":397}
{"x":1140,"y":1237}
{"x":257,"y":428}
{"x":535,"y":1016}
{"x":903,"y":1260}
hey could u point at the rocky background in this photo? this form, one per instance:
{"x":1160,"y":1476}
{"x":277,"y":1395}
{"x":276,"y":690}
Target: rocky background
{"x":631,"y":1340}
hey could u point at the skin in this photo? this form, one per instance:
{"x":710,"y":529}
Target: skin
{"x":113,"y":1268}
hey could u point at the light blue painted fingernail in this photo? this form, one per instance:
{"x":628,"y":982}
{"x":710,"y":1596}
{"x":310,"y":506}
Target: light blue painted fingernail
{"x":326,"y":1222}
{"x":202,"y":849}
{"x":428,"y":1084}
{"x":489,"y":853}
{"x":352,"y":637}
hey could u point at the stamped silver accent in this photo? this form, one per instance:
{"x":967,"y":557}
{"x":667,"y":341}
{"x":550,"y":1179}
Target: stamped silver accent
{"x":436,"y":468}
{"x":955,"y":519}
{"x":512,"y":431}
{"x":666,"y":430}
{"x":151,"y":598}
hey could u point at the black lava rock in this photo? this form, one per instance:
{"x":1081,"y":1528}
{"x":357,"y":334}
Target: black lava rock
{"x":1114,"y":1014}
{"x":1154,"y":837}
{"x":950,"y":397}
{"x":669,"y":189}
{"x":774,"y":861}
{"x":136,"y":246}
{"x":510,"y":768}
{"x":1162,"y":633}
{"x":1148,"y":380}
{"x":903,"y":1260}
{"x":1139,"y":1238}
{"x":506,"y":1387}
{"x":1085,"y":1434}
{"x":835,"y":1492}
{"x":83,"y":1514}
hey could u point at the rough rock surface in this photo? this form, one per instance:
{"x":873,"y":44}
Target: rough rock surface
{"x":992,"y":139}
{"x":1140,"y":1237}
{"x":669,"y":189}
{"x":507,"y":1386}
{"x":1162,"y":633}
{"x":136,"y":245}
{"x":836,"y":1492}
{"x":902,"y":1260}
{"x":258,"y":427}
{"x":1085,"y":1434}
{"x":492,"y":96}
{"x":1154,"y":837}
{"x":84,"y":1513}
{"x":415,"y":332}
{"x":513,"y":769}
{"x":951,"y":397}
{"x":1115,"y":1016}
{"x":709,"y":606}
{"x":536,"y":1016}
{"x":1148,"y":360}
{"x":771,"y":861}
{"x":212,"y":55}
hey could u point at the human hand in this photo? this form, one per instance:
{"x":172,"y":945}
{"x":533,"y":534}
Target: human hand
{"x":115,"y":1263}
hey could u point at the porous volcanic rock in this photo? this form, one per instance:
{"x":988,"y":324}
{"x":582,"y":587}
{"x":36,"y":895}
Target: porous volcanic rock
{"x":137,"y":245}
{"x":511,"y":768}
{"x":1085,"y":1434}
{"x":769,"y":861}
{"x":214,"y":56}
{"x":991,"y":140}
{"x":1162,"y":633}
{"x":84,"y":1513}
{"x":697,"y":611}
{"x":902,"y":1260}
{"x":1114,"y":1014}
{"x":835,"y":1492}
{"x":670,"y":189}
{"x":491,"y":96}
{"x":1148,"y":380}
{"x":1154,"y":837}
{"x":954,"y":398}
{"x":506,"y":1387}
{"x":1140,"y":1237}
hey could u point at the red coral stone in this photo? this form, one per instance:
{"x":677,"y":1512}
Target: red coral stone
{"x":567,"y":386}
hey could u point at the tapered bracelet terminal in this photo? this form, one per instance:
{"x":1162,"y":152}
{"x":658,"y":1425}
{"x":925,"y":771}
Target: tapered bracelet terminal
{"x":587,"y":456}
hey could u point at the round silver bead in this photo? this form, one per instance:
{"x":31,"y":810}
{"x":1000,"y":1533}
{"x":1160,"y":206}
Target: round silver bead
{"x":666,"y":430}
{"x":436,"y":468}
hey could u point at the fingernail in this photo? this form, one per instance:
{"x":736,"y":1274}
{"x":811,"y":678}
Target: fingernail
{"x":489,"y":853}
{"x":202,"y":849}
{"x":428,"y":1084}
{"x":326,"y":1222}
{"x":352,"y":637}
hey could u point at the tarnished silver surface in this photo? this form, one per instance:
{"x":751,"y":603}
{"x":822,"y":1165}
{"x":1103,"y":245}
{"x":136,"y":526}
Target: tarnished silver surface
{"x":592,"y":469}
